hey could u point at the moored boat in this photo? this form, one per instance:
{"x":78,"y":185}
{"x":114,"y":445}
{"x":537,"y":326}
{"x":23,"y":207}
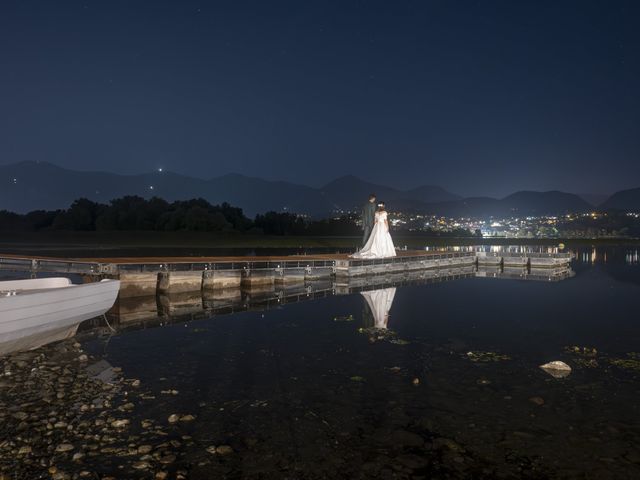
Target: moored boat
{"x":30,"y":308}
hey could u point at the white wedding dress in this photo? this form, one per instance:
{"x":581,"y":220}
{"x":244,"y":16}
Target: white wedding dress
{"x":379,"y":244}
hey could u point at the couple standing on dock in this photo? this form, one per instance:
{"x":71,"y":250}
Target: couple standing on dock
{"x":375,"y":225}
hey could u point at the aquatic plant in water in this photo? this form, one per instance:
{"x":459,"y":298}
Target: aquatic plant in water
{"x":583,"y":356}
{"x":382,"y":334}
{"x":581,"y":351}
{"x":478,"y":356}
{"x":632,"y":362}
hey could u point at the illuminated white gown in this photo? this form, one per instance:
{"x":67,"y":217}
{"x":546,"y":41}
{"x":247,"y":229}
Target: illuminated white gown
{"x":380,"y":302}
{"x":379,"y":244}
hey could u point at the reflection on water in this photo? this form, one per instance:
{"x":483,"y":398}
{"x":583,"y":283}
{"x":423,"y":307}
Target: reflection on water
{"x":512,"y":249}
{"x":146,"y":311}
{"x":379,"y":303}
{"x":292,"y":393}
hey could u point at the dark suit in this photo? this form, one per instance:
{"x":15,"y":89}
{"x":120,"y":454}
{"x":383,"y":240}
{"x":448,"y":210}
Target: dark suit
{"x":368,"y":219}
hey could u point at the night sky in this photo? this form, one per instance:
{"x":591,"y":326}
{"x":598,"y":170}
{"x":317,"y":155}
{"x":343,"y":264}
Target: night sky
{"x":480,"y":97}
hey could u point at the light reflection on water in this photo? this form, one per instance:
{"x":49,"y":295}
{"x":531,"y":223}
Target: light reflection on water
{"x":454,"y":360}
{"x":497,"y":248}
{"x":318,"y":380}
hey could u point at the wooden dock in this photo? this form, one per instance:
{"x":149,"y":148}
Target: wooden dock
{"x":166,"y":308}
{"x":141,"y":276}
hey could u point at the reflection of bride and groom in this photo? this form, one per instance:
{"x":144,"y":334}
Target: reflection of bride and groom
{"x":375,"y":316}
{"x":376,"y":237}
{"x":379,"y":303}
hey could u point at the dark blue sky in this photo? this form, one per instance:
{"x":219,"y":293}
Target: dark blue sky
{"x":481,"y":97}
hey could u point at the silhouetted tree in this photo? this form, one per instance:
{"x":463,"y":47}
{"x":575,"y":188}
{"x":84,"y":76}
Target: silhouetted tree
{"x":10,"y":221}
{"x":274,"y":223}
{"x":81,"y":215}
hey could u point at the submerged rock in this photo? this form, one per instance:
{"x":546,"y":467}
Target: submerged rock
{"x":64,"y":447}
{"x":144,"y":449}
{"x":142,"y":465}
{"x":404,"y":438}
{"x":24,"y":450}
{"x":224,"y":450}
{"x":556,"y":369}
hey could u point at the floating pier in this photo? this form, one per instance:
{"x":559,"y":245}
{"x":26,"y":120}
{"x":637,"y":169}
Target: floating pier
{"x":147,"y":312}
{"x":144,"y":276}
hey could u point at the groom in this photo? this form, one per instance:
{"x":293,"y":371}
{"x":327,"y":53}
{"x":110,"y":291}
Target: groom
{"x":368,"y":217}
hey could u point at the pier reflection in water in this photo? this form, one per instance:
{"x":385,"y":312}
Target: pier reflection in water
{"x":453,"y":388}
{"x":434,"y":375}
{"x":162,"y":308}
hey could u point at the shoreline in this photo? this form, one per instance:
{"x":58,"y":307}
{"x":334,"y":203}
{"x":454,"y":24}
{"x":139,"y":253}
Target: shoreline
{"x":36,"y":242}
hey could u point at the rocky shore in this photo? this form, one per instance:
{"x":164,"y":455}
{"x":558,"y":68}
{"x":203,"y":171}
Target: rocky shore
{"x":65,"y":416}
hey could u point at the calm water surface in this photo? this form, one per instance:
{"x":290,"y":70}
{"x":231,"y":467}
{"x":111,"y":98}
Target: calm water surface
{"x":450,"y":389}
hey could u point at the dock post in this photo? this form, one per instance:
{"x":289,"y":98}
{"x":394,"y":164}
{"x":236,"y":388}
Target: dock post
{"x":221,"y":279}
{"x":179,"y":282}
{"x":259,"y":278}
{"x":137,"y":284}
{"x":287,"y":276}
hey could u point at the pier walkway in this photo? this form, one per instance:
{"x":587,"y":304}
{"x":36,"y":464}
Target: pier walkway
{"x":142,"y":276}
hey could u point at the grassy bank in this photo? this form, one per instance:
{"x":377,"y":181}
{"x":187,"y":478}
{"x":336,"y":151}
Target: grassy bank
{"x":90,"y":243}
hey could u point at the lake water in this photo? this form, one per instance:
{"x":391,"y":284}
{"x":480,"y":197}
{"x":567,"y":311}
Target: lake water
{"x":438,"y":379}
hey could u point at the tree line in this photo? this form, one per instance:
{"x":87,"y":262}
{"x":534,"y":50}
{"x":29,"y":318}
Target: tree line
{"x":133,"y":213}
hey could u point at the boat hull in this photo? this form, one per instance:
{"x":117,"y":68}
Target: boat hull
{"x":47,"y":308}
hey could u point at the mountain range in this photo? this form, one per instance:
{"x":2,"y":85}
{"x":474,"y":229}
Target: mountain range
{"x":28,"y":186}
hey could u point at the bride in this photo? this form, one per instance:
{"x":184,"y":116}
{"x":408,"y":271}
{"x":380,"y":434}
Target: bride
{"x":379,"y":244}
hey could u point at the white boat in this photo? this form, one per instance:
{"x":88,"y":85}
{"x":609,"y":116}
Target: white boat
{"x":30,"y":310}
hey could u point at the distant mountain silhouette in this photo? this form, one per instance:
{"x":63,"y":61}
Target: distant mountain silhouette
{"x":595,"y":199}
{"x":467,"y":207}
{"x":539,"y":203}
{"x":623,"y":200}
{"x":432,"y":194}
{"x":523,"y":203}
{"x":256,"y":195}
{"x":349,"y":193}
{"x":30,"y":186}
{"x":41,"y":185}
